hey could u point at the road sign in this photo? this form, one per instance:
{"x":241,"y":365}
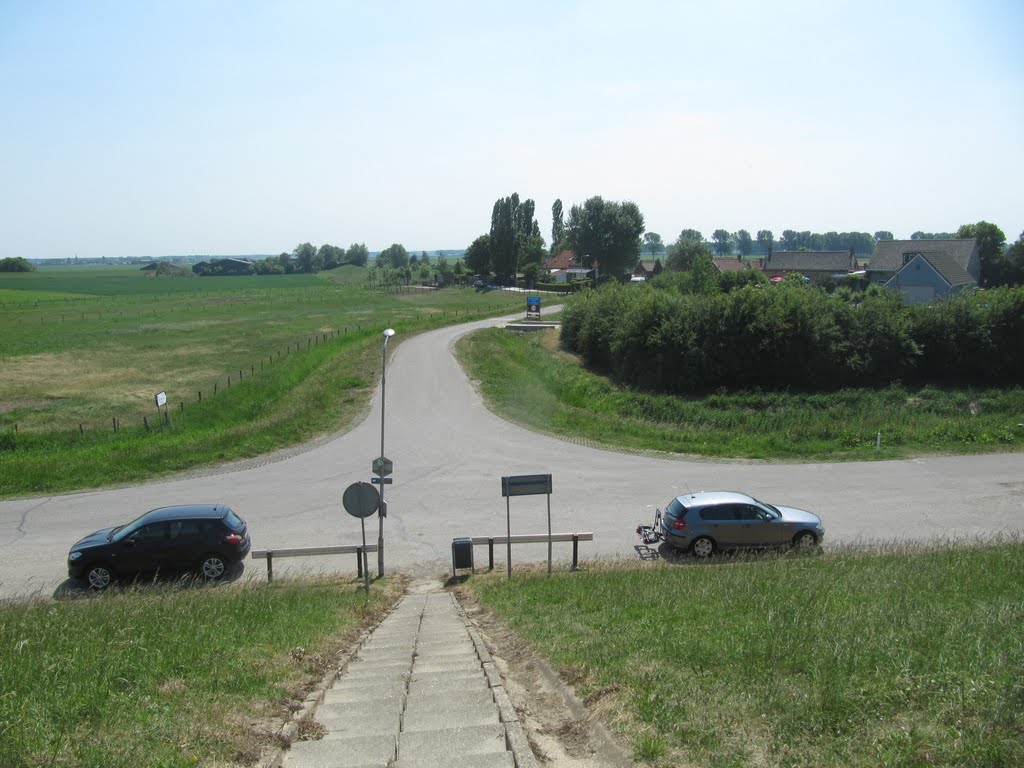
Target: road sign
{"x":360,"y":499}
{"x":381,"y":480}
{"x":161,"y":399}
{"x":382,"y":466}
{"x":525,"y":485}
{"x":533,"y":306}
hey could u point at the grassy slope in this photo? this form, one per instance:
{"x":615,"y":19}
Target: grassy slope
{"x":900,"y":658}
{"x":525,"y":378}
{"x":164,"y":676}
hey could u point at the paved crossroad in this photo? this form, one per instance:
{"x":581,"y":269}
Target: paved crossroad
{"x":449,"y":455}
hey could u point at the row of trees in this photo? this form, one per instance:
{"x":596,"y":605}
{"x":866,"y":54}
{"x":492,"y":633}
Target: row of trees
{"x":725,"y":243}
{"x":999,"y":265}
{"x":601,"y":232}
{"x":794,"y":335}
{"x":307,"y":258}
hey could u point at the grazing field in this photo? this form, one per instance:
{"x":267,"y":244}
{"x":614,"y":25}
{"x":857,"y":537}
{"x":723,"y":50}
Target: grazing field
{"x":898,"y":657}
{"x":169,"y":675}
{"x":248,"y":364}
{"x":528,"y":379}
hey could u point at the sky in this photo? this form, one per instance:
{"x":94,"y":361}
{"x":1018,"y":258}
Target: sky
{"x":144,"y":128}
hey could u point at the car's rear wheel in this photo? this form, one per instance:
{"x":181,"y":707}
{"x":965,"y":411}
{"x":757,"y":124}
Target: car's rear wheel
{"x":212,"y":567}
{"x":703,"y":547}
{"x":804,"y":541}
{"x":99,"y":577}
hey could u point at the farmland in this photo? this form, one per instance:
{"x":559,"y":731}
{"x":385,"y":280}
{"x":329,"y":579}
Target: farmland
{"x":248,"y":364}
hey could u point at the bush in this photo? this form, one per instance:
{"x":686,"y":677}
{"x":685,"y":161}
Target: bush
{"x":792,"y":335}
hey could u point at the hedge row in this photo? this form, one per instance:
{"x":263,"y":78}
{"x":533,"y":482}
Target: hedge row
{"x":795,"y":336}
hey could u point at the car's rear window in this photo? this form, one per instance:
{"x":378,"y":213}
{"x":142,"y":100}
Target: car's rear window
{"x":233,"y":521}
{"x":675,"y":508}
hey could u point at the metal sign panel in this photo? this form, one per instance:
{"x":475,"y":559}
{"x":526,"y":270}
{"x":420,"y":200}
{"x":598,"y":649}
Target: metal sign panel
{"x":382,"y":466}
{"x":525,"y":485}
{"x":533,"y":306}
{"x":161,"y":399}
{"x":361,"y":499}
{"x":381,"y":480}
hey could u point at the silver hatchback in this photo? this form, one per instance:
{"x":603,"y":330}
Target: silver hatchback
{"x":710,"y":520}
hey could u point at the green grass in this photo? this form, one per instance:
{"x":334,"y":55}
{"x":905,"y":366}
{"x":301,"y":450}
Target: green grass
{"x":911,"y":657}
{"x":528,"y":380}
{"x":165,"y":676}
{"x":307,"y":348}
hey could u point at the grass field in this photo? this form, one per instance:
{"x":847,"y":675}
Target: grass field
{"x":900,"y":657}
{"x":168,"y":676}
{"x":289,"y":357}
{"x":528,"y":379}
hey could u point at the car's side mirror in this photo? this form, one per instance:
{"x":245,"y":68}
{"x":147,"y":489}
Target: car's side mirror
{"x":129,"y":542}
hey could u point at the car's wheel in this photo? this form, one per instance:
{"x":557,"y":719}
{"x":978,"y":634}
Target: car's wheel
{"x":805,"y":540}
{"x":99,"y":577}
{"x":212,"y":567}
{"x":703,"y":547}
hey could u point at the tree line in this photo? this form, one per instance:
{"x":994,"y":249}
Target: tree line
{"x":307,"y":258}
{"x":698,"y":336}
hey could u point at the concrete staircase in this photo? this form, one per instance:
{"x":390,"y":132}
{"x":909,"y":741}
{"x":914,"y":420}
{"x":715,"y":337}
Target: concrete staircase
{"x":422,"y":692}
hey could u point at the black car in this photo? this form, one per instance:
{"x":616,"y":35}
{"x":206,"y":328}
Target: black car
{"x":205,"y":537}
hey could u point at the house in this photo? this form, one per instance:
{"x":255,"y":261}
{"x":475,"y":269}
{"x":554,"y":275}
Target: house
{"x":568,"y":275}
{"x":728,"y":264}
{"x":891,"y":256}
{"x":927,"y":276}
{"x":564,"y":260}
{"x":815,"y":265}
{"x":648,"y":269}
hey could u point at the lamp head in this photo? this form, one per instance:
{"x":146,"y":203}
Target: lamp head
{"x":389,"y":332}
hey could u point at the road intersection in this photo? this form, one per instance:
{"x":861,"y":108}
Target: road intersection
{"x":449,"y":455}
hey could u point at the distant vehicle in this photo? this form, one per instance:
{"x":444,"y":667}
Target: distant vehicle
{"x":207,"y":538}
{"x":638,"y":279}
{"x":711,"y":520}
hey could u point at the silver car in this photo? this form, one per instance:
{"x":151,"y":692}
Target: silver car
{"x":710,"y":520}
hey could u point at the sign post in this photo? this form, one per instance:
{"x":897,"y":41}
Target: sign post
{"x":524,"y":485}
{"x":533,"y":307}
{"x":362,"y":500}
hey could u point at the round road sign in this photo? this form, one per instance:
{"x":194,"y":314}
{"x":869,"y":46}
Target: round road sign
{"x":361,"y":499}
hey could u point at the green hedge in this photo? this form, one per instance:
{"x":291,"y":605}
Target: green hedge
{"x":793,"y":335}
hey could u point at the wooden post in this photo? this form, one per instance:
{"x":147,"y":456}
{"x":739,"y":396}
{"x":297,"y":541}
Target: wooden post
{"x":490,"y":554}
{"x":359,"y":562}
{"x":270,"y":565}
{"x":575,"y":550}
{"x":145,"y":421}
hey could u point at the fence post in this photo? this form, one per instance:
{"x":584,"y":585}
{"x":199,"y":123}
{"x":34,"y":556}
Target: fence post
{"x":270,"y":565}
{"x":145,"y":421}
{"x":490,"y":554}
{"x":359,"y":562}
{"x":575,"y":550}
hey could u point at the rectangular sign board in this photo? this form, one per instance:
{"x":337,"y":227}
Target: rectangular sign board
{"x":533,"y":306}
{"x":161,"y":399}
{"x":525,"y":485}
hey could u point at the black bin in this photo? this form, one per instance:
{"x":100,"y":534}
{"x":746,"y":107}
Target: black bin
{"x":462,"y":554}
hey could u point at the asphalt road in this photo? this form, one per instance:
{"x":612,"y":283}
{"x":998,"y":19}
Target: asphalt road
{"x":449,"y":455}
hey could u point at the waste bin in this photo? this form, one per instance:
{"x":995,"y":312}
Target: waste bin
{"x":462,"y":554}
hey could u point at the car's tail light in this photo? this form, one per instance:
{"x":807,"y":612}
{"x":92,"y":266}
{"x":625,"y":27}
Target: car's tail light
{"x":678,"y":524}
{"x":233,"y":538}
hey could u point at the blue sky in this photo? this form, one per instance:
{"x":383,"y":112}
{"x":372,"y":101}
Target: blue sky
{"x":156,"y":128}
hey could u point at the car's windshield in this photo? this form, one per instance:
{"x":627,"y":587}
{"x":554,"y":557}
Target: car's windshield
{"x":114,"y":530}
{"x":123,"y":531}
{"x":774,"y":512}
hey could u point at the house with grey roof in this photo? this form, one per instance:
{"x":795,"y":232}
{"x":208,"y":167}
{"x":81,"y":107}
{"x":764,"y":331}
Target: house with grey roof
{"x":929,"y":276}
{"x":891,"y":256}
{"x":816,"y":265}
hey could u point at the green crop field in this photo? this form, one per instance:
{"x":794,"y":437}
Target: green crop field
{"x":84,"y":349}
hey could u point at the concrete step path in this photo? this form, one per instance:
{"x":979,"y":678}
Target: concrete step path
{"x":422,"y":692}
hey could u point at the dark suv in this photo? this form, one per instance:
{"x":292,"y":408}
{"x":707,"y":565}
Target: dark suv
{"x":205,"y":537}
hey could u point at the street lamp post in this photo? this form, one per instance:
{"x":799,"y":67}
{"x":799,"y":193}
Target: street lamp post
{"x":388,"y":333}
